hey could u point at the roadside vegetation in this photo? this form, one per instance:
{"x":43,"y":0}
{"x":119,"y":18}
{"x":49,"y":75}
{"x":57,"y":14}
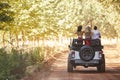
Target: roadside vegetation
{"x":15,"y":63}
{"x":32,"y":31}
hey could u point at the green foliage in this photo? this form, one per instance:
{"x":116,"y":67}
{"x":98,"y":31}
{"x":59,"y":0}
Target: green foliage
{"x":4,"y":6}
{"x":5,"y":13}
{"x":13,"y":63}
{"x":41,"y":19}
{"x":37,"y":56}
{"x":115,"y":3}
{"x":56,"y":19}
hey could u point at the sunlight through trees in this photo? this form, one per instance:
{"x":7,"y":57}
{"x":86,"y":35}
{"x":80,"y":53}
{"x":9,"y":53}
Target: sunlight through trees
{"x":22,"y":20}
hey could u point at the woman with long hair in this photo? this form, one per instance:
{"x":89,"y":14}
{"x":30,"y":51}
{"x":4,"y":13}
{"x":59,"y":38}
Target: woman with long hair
{"x":79,"y":32}
{"x":88,"y":35}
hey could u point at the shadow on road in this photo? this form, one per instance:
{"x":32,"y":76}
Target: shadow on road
{"x":113,"y":70}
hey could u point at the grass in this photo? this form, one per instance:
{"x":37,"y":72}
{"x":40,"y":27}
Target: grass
{"x":14,"y":62}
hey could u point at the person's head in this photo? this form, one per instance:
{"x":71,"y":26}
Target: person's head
{"x":95,"y":27}
{"x":87,"y":29}
{"x":79,"y":28}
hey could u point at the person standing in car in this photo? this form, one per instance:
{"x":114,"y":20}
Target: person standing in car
{"x":87,"y":35}
{"x":95,"y":33}
{"x":87,"y":32}
{"x":79,"y":32}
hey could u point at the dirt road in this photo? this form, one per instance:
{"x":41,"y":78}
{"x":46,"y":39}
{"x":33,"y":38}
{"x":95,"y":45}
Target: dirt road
{"x":58,"y":70}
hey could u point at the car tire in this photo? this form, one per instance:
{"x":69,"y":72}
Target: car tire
{"x":101,"y":66}
{"x":86,"y":53}
{"x":69,"y":67}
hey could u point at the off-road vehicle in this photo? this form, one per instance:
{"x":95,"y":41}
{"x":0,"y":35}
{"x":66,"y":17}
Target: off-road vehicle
{"x":87,"y":55}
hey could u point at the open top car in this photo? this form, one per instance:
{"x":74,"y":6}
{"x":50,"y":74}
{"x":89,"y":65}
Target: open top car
{"x":86,"y":54}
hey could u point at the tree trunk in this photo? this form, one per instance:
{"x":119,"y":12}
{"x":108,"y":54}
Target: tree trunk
{"x":3,"y":40}
{"x":34,"y":42}
{"x":17,"y":41}
{"x":43,"y":46}
{"x":11,"y":41}
{"x":23,"y":38}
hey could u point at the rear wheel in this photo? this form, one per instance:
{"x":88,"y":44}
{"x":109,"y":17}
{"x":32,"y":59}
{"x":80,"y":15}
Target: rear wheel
{"x":101,"y":66}
{"x":69,"y":67}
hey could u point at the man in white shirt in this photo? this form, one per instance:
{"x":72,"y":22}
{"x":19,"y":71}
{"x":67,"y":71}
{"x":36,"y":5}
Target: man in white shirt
{"x":96,"y":33}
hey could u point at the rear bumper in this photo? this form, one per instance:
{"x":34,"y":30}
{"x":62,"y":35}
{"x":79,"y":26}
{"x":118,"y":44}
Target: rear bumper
{"x":79,"y":62}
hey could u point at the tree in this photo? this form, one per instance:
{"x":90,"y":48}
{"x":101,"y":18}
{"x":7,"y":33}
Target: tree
{"x":6,"y":17}
{"x":41,"y":19}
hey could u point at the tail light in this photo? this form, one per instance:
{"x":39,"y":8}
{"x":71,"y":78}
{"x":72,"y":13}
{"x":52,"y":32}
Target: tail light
{"x":73,"y":54}
{"x":100,"y":53}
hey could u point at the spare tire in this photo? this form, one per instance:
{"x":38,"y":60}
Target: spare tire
{"x":86,"y":53}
